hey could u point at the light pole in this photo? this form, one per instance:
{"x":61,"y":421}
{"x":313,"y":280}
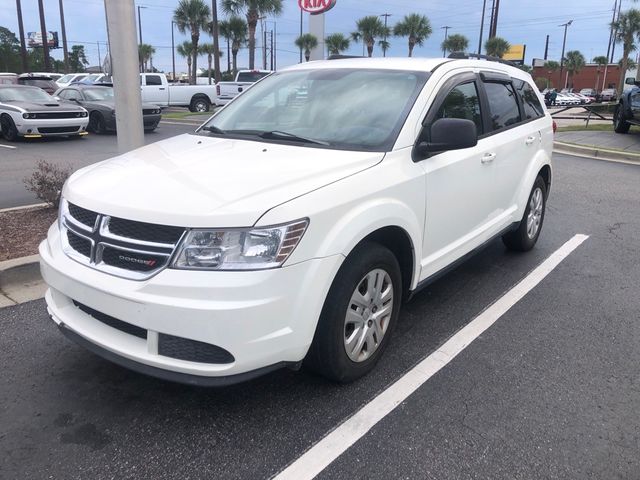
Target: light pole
{"x":301,"y":34}
{"x":45,"y":38}
{"x":140,"y":24}
{"x":384,"y":45}
{"x":564,"y":43}
{"x":64,"y":39}
{"x":446,"y":35}
{"x":173,"y":53}
{"x":484,"y":7}
{"x":23,"y":46}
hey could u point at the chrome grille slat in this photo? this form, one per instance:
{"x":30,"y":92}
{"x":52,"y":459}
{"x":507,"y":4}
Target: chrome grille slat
{"x":126,"y":257}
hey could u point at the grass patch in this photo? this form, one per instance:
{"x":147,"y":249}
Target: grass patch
{"x":182,"y":115}
{"x":597,"y":127}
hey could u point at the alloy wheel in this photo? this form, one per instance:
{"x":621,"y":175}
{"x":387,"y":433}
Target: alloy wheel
{"x":534,"y":218}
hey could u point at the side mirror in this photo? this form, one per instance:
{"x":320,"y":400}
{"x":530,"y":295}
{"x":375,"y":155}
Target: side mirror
{"x":448,"y":134}
{"x":630,"y":81}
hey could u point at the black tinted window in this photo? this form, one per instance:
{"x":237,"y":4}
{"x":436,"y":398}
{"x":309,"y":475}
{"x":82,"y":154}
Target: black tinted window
{"x":251,"y":76}
{"x":503,"y":105}
{"x":462,"y":102}
{"x":154,"y":80}
{"x":530,"y":102}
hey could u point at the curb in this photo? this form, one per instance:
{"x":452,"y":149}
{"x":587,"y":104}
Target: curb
{"x":23,"y":207}
{"x":597,"y":153}
{"x":20,"y":280}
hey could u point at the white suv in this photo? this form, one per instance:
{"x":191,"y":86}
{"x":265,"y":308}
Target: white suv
{"x":289,"y":228}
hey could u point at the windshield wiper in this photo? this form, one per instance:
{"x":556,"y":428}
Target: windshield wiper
{"x":277,"y":134}
{"x":214,"y":129}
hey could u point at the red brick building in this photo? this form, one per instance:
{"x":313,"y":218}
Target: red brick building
{"x":586,"y":78}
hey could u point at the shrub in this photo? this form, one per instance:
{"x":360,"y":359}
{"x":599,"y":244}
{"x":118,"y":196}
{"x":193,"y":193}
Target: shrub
{"x":47,"y":181}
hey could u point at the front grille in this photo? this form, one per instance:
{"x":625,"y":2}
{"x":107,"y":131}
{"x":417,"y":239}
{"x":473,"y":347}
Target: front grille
{"x":79,"y":244}
{"x":192,"y":350}
{"x":135,"y":261}
{"x":149,"y":232}
{"x":113,"y":322}
{"x":58,"y":129}
{"x":49,"y":115}
{"x":82,"y":215}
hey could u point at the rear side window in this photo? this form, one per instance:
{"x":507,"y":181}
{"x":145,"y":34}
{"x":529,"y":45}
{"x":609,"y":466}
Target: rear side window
{"x":251,"y":76}
{"x":462,"y":102}
{"x":503,"y":105}
{"x":530,"y":102}
{"x":154,"y":80}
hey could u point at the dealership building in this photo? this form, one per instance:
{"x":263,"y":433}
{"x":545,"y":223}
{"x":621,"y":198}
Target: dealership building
{"x":588,"y":77}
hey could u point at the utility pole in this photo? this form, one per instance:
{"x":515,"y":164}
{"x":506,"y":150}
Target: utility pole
{"x":617,"y":18}
{"x":216,"y":44}
{"x":23,"y":45}
{"x":494,"y":19}
{"x":99,"y":57}
{"x":484,"y":7}
{"x":141,"y":66}
{"x":173,"y":53}
{"x":271,"y":56}
{"x":275,"y":46}
{"x":384,"y":45}
{"x":564,"y":43}
{"x":264,"y":43}
{"x":612,"y":39}
{"x":121,"y":29}
{"x":446,"y":35}
{"x":301,"y":35}
{"x":64,"y":39}
{"x":45,"y":43}
{"x":546,"y":48}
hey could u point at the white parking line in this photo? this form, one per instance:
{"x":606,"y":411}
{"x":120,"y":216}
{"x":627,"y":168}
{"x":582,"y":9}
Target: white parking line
{"x":8,"y":146}
{"x":323,"y":453}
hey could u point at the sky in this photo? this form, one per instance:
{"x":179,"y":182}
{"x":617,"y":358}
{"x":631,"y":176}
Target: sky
{"x":520,"y":22}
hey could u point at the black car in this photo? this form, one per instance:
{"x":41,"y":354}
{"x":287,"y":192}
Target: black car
{"x":100,"y":102}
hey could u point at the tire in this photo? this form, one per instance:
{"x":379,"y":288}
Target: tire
{"x":620,"y":125}
{"x":200,"y":104}
{"x":9,"y":130}
{"x":328,"y":353}
{"x":96,"y":123}
{"x":523,"y":238}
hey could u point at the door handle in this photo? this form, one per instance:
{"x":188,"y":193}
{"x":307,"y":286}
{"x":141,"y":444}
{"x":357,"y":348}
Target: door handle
{"x":161,"y":88}
{"x":488,"y":157}
{"x":530,"y":140}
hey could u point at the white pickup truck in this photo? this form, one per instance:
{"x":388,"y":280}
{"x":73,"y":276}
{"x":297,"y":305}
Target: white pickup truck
{"x":157,"y":90}
{"x":226,"y":91}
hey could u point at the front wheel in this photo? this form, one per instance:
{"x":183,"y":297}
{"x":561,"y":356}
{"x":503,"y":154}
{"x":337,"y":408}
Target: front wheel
{"x":8,"y":128}
{"x":620,"y":125}
{"x":526,"y":235}
{"x":96,"y":123}
{"x":200,"y":104}
{"x":359,"y":315}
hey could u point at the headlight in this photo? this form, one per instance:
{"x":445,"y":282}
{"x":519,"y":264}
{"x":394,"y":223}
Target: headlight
{"x":250,"y":249}
{"x":28,"y":115}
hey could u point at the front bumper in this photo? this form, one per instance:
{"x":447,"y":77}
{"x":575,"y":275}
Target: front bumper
{"x":264,"y":319}
{"x":52,"y":127}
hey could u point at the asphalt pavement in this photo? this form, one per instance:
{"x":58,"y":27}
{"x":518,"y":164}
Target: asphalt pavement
{"x":551,"y":390}
{"x":18,"y":159}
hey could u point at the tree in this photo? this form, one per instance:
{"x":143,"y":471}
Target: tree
{"x":574,"y":61}
{"x":552,"y":66}
{"x":496,"y":47}
{"x":145,"y":52}
{"x":626,"y":28}
{"x":185,"y":49}
{"x":307,"y":42}
{"x":336,"y":43}
{"x":77,"y":58}
{"x":192,"y":16}
{"x":235,"y":30}
{"x":455,"y":43}
{"x":416,"y":27}
{"x":601,"y":61}
{"x":208,"y":50}
{"x":253,"y":9}
{"x":9,"y":51}
{"x":367,"y":29}
{"x":225,"y":31}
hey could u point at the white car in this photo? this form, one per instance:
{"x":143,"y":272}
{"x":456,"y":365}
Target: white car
{"x":565,"y":99}
{"x":30,"y":112}
{"x":67,"y":79}
{"x":290,"y":228}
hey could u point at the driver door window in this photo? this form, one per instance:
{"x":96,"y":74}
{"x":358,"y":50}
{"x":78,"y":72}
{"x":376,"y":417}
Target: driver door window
{"x":462,"y":102}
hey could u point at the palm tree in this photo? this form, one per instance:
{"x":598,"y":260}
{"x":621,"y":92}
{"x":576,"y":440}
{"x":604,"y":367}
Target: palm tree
{"x":307,"y":42}
{"x":208,"y":49}
{"x":626,"y":28}
{"x":574,"y":61}
{"x":368,"y":28}
{"x":601,"y":61}
{"x":185,"y":49}
{"x":455,"y":43}
{"x":225,"y":31}
{"x":336,"y":43}
{"x":551,"y":66}
{"x":415,"y":26}
{"x":254,"y":9}
{"x":145,"y":52}
{"x":235,"y":30}
{"x":496,"y":47}
{"x":192,"y":15}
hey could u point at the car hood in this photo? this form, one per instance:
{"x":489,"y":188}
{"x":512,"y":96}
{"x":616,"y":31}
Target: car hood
{"x":201,"y":181}
{"x":47,"y":107}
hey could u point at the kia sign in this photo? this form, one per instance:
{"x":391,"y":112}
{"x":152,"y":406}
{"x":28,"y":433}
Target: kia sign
{"x":316,"y":7}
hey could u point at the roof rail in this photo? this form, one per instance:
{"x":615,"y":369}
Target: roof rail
{"x":342,"y":57}
{"x":466,"y":56}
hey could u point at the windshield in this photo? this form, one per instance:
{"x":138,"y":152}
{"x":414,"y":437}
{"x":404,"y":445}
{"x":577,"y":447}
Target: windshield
{"x":251,"y":76}
{"x":351,"y":109}
{"x":37,"y":82}
{"x":66,"y":79}
{"x":25,"y":94}
{"x":102,"y":93}
{"x":91,"y":78}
